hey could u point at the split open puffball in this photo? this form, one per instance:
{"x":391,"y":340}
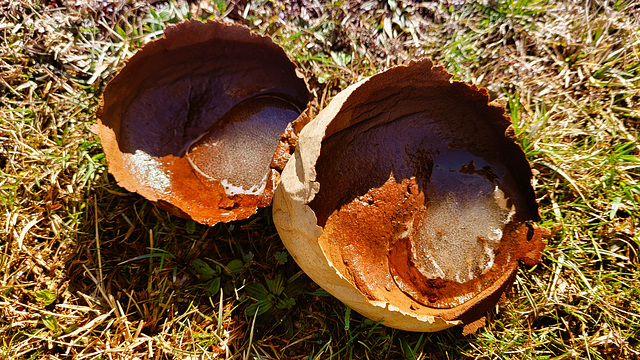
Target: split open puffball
{"x":408,"y":199}
{"x":195,"y":119}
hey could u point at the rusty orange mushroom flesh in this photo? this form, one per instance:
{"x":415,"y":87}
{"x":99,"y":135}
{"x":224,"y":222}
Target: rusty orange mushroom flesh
{"x":192,"y":122}
{"x":408,"y":199}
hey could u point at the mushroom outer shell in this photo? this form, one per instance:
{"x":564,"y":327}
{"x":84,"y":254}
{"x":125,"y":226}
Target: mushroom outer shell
{"x":297,"y":224}
{"x":186,"y":49}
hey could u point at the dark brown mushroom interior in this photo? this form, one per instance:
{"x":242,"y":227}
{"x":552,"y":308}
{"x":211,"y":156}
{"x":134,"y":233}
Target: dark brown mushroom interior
{"x":194,"y":118}
{"x":422,"y":193}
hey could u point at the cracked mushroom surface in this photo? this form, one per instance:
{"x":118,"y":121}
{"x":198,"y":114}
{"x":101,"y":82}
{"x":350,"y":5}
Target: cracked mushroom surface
{"x":408,"y":199}
{"x":192,"y":122}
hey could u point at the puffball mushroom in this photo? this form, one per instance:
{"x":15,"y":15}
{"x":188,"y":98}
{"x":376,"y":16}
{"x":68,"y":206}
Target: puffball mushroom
{"x":408,"y":199}
{"x":192,"y":122}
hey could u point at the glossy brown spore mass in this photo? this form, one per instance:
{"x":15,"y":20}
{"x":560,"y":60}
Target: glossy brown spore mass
{"x":197,"y":79}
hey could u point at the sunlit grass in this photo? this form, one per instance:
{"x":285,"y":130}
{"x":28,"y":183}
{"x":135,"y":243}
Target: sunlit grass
{"x":88,"y":270}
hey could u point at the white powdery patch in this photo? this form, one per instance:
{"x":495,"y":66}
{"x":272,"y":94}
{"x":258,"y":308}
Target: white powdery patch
{"x":149,"y":171}
{"x":231,"y":189}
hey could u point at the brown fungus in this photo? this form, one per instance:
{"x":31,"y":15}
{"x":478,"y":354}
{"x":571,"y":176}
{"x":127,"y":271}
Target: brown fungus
{"x":408,"y":199}
{"x":194,"y":119}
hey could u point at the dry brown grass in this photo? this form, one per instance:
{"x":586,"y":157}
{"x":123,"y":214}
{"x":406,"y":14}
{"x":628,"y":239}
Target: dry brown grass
{"x":90,"y":271}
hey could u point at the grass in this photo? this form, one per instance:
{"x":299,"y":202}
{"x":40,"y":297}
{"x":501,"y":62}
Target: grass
{"x":90,"y":271}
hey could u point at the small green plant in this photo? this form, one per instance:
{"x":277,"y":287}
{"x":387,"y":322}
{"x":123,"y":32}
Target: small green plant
{"x":281,"y":257}
{"x":50,"y":322}
{"x":46,"y":297}
{"x":211,"y":276}
{"x":278,"y":294}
